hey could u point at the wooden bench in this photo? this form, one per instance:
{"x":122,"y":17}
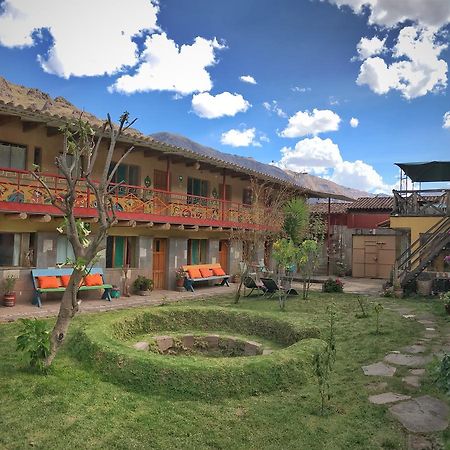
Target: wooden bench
{"x":189,"y":282}
{"x":54,"y":272}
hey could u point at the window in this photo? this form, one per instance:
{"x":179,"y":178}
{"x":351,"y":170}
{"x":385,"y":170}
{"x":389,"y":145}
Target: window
{"x":247,"y":197}
{"x":13,"y":156}
{"x":126,"y":174}
{"x":197,"y":249}
{"x":17,"y":249}
{"x":120,"y":251}
{"x":160,"y":180}
{"x":195,"y":187}
{"x":37,"y":157}
{"x":69,"y":160}
{"x":64,"y":250}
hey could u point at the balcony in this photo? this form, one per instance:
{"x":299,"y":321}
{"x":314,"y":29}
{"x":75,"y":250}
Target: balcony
{"x":21,"y":192}
{"x":426,"y":202}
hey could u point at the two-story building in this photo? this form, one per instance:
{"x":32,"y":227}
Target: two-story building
{"x":422,"y":216}
{"x":175,"y":205}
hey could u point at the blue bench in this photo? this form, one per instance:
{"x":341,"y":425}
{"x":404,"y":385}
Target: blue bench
{"x":54,"y":272}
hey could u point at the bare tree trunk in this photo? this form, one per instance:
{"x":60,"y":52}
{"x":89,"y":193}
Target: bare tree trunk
{"x":68,"y":308}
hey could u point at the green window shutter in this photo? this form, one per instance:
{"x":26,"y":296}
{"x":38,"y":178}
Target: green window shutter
{"x":119,"y":251}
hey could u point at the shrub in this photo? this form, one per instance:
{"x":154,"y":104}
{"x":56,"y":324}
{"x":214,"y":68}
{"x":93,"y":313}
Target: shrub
{"x":104,"y":347}
{"x":442,"y":372}
{"x":35,"y":340}
{"x":331,"y":285}
{"x":142,"y":283}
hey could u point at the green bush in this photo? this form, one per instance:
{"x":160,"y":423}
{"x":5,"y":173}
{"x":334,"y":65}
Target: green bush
{"x":331,"y":285}
{"x":34,"y":339}
{"x":103,"y":346}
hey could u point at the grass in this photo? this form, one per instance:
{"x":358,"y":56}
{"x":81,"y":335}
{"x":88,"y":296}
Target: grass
{"x":75,"y":407}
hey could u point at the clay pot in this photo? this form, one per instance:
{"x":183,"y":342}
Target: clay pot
{"x":9,"y":299}
{"x":144,"y":293}
{"x":180,"y":282}
{"x":398,"y":293}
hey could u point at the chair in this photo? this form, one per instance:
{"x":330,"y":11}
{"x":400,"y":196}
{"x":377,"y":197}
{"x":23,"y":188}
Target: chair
{"x":250,"y":283}
{"x":272,"y":287}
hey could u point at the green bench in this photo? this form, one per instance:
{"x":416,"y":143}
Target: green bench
{"x":54,"y":272}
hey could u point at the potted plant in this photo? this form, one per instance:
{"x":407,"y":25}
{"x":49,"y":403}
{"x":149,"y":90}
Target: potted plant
{"x":424,"y":284}
{"x":9,"y":296}
{"x":180,"y":275}
{"x":143,"y":285}
{"x":446,"y":299}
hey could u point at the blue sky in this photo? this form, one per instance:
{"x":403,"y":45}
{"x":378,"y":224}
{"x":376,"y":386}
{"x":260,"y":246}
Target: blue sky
{"x":316,"y":65}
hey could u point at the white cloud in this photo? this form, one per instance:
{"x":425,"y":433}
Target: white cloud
{"x":275,"y":108}
{"x":354,"y":122}
{"x":213,"y":106}
{"x":417,"y":71}
{"x":370,"y":47}
{"x":311,"y":155}
{"x":446,"y":121}
{"x":166,"y":66}
{"x":237,"y":138}
{"x":305,"y":123}
{"x":323,"y":157}
{"x":300,"y":89}
{"x":89,"y":38}
{"x":388,"y":13}
{"x":248,"y":79}
{"x":360,"y":175}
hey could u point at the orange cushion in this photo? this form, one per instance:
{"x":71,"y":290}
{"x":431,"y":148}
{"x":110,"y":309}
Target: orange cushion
{"x":206,"y":273}
{"x":65,"y":280}
{"x":194,"y":273}
{"x":49,"y":282}
{"x":218,"y":271}
{"x":93,"y":280}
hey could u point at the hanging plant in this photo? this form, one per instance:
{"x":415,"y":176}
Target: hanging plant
{"x":215,"y":194}
{"x":147,"y":181}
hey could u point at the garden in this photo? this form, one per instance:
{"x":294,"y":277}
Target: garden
{"x":103,"y":392}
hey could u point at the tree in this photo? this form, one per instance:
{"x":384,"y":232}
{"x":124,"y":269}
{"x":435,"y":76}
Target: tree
{"x":81,"y":142}
{"x":264,"y":216}
{"x":308,"y":258}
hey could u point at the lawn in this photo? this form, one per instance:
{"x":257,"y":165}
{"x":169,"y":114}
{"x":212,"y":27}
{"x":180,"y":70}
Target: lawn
{"x":74,"y":407}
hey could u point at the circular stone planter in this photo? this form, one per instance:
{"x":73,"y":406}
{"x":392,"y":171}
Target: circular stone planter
{"x":107,"y":346}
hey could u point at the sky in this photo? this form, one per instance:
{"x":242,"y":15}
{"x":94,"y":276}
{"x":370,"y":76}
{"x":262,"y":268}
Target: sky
{"x":338,"y":88}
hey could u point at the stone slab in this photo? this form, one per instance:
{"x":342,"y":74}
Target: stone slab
{"x":408,"y":316}
{"x":418,"y":372}
{"x":267,"y":351}
{"x":414,"y":349}
{"x":426,"y":322}
{"x":141,"y":346}
{"x":400,"y":359}
{"x":164,"y":342}
{"x":252,"y":348}
{"x":412,"y":381}
{"x":419,"y":442}
{"x":377,"y":386}
{"x":212,"y":340}
{"x":422,"y":414}
{"x":387,"y":397}
{"x":379,"y":369}
{"x":187,"y":341}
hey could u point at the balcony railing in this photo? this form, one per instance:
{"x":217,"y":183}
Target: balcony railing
{"x":20,"y":191}
{"x":426,"y":202}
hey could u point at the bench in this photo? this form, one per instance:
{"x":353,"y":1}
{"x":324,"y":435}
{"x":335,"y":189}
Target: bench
{"x":189,"y":282}
{"x":54,"y":272}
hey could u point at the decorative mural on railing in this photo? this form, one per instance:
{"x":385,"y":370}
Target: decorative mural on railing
{"x":21,"y":187}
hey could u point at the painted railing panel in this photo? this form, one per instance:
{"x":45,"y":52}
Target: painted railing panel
{"x":20,"y":187}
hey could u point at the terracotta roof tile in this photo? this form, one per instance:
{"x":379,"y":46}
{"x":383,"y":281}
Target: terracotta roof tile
{"x":372,"y":203}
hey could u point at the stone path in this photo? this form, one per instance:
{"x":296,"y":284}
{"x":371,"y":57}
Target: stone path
{"x":421,"y":415}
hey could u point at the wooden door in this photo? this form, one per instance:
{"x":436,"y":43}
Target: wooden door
{"x":224,"y":249}
{"x":159,"y":263}
{"x":373,"y":256}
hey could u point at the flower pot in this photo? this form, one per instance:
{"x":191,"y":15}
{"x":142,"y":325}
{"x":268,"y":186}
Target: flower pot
{"x":424,"y":287}
{"x":144,"y":293}
{"x":180,"y":282}
{"x":9,"y":299}
{"x":115,"y":293}
{"x":398,"y":292}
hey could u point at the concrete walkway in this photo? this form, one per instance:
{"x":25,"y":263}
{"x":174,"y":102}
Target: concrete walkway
{"x":363,"y":286}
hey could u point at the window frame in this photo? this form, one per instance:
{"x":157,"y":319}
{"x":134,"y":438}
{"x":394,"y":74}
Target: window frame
{"x":12,"y":144}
